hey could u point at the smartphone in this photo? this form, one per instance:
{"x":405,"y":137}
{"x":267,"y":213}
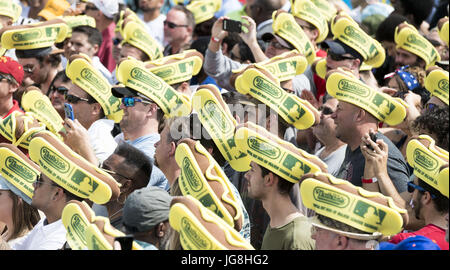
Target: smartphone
{"x":126,"y":242}
{"x":69,"y":111}
{"x":232,"y":26}
{"x":373,"y":137}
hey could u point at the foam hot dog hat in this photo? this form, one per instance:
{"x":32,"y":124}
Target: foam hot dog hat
{"x":204,"y":10}
{"x":344,"y":86}
{"x":85,"y":230}
{"x":326,"y":8}
{"x":319,"y":67}
{"x":436,"y":82}
{"x":82,"y":73}
{"x":345,"y":29}
{"x":216,"y":118}
{"x":133,"y":74}
{"x":430,"y":162}
{"x":201,"y":229}
{"x":40,"y":105}
{"x":260,"y":84}
{"x":306,"y":10}
{"x":284,"y":66}
{"x":275,"y":154}
{"x":408,"y":38}
{"x":285,"y":26}
{"x":202,"y":178}
{"x":443,"y":30}
{"x":71,"y":171}
{"x":10,"y":9}
{"x":137,"y":35}
{"x":18,"y":170}
{"x":79,"y":20}
{"x":19,"y":128}
{"x":340,"y":200}
{"x":34,"y":36}
{"x":177,"y":68}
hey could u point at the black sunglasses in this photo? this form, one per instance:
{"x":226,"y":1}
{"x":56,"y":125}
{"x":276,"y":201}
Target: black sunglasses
{"x":338,"y":57}
{"x":39,"y":182}
{"x":326,"y":110}
{"x":172,"y":25}
{"x":4,"y":77}
{"x":60,"y":89}
{"x":117,"y":41}
{"x":74,"y":99}
{"x":412,"y":187}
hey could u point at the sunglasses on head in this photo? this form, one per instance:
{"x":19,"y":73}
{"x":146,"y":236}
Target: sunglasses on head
{"x":338,"y":57}
{"x":326,"y":110}
{"x":412,"y":187}
{"x":131,"y":101}
{"x":172,"y":25}
{"x":74,"y":99}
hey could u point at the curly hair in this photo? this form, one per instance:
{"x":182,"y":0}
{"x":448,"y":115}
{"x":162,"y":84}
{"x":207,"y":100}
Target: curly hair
{"x":434,"y":121}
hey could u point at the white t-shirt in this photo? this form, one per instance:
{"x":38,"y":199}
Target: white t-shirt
{"x":43,"y":237}
{"x":156,"y":27}
{"x":101,"y":138}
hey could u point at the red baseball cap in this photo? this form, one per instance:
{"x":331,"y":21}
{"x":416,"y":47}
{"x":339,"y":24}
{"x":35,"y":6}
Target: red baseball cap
{"x":9,"y":66}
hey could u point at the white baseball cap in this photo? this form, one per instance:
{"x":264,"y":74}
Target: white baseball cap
{"x":107,"y":7}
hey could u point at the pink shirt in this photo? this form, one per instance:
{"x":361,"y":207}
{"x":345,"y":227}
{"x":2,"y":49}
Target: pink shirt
{"x":105,"y":50}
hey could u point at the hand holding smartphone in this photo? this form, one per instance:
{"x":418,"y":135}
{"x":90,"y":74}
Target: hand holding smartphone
{"x":69,"y":111}
{"x":373,"y":137}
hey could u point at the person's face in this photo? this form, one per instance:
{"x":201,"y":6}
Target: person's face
{"x":91,"y":10}
{"x":43,"y":193}
{"x":309,"y":31}
{"x":82,"y":110}
{"x":335,"y":61}
{"x":150,"y":5}
{"x":390,"y":48}
{"x":117,"y":46}
{"x":122,"y":173}
{"x":403,"y":58}
{"x":180,"y":32}
{"x":32,"y":69}
{"x":324,"y":238}
{"x":129,"y":50}
{"x":326,"y":127}
{"x":392,"y":83}
{"x":163,"y":148}
{"x":434,"y":102}
{"x":236,"y":54}
{"x":6,"y":88}
{"x":416,"y":201}
{"x":275,"y":48}
{"x":255,"y":182}
{"x":77,"y":44}
{"x":344,"y":120}
{"x":57,"y":95}
{"x":136,"y":116}
{"x":6,"y":206}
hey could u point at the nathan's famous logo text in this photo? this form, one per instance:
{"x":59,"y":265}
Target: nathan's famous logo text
{"x":216,"y":114}
{"x":443,"y":85}
{"x":19,"y":37}
{"x":355,"y":34}
{"x":145,"y":77}
{"x":54,"y":160}
{"x":330,"y":197}
{"x":94,"y":79}
{"x":194,"y":234}
{"x":20,"y":169}
{"x":425,"y":160}
{"x":263,"y":147}
{"x":413,"y":39}
{"x":191,"y":175}
{"x":266,"y":86}
{"x":353,"y":87}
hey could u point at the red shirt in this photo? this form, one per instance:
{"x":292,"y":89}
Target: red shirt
{"x":105,"y":50}
{"x":433,"y":232}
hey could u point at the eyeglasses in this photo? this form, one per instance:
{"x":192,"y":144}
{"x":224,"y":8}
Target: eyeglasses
{"x":4,"y":77}
{"x":430,"y":106}
{"x":172,"y":25}
{"x":338,"y":57}
{"x":412,"y":187}
{"x":29,"y":69}
{"x":38,"y":183}
{"x":60,"y":89}
{"x":117,"y":41}
{"x":131,"y":101}
{"x":277,"y":45}
{"x":326,"y":110}
{"x":112,"y":172}
{"x":74,"y":99}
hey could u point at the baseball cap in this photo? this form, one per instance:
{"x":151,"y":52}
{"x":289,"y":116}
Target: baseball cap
{"x":108,"y":7}
{"x":145,"y":208}
{"x":11,"y":67}
{"x":340,"y":48}
{"x":5,"y":185}
{"x":415,"y":242}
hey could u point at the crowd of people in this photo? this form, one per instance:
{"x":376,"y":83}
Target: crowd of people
{"x":157,"y":125}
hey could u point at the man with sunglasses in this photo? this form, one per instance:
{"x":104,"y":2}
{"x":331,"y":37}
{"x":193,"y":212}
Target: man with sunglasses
{"x":178,"y":30}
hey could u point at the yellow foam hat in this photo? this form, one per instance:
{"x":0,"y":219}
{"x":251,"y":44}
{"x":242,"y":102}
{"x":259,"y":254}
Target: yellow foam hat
{"x":443,"y":30}
{"x":285,"y":26}
{"x":10,"y":9}
{"x":408,"y":38}
{"x":177,"y":68}
{"x":307,"y":11}
{"x":71,"y":171}
{"x":18,"y":169}
{"x":53,"y":9}
{"x":19,"y":128}
{"x":284,"y":66}
{"x":346,"y":87}
{"x":34,"y":36}
{"x":430,"y":162}
{"x":202,"y":178}
{"x":275,"y":154}
{"x":204,"y":10}
{"x":218,"y":121}
{"x":40,"y":105}
{"x":129,"y":15}
{"x":340,"y":200}
{"x":82,"y":73}
{"x":260,"y":84}
{"x":326,"y":8}
{"x":133,"y":74}
{"x":347,"y":31}
{"x":137,"y":35}
{"x":319,"y":67}
{"x":436,"y":83}
{"x":74,"y":21}
{"x":201,"y":229}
